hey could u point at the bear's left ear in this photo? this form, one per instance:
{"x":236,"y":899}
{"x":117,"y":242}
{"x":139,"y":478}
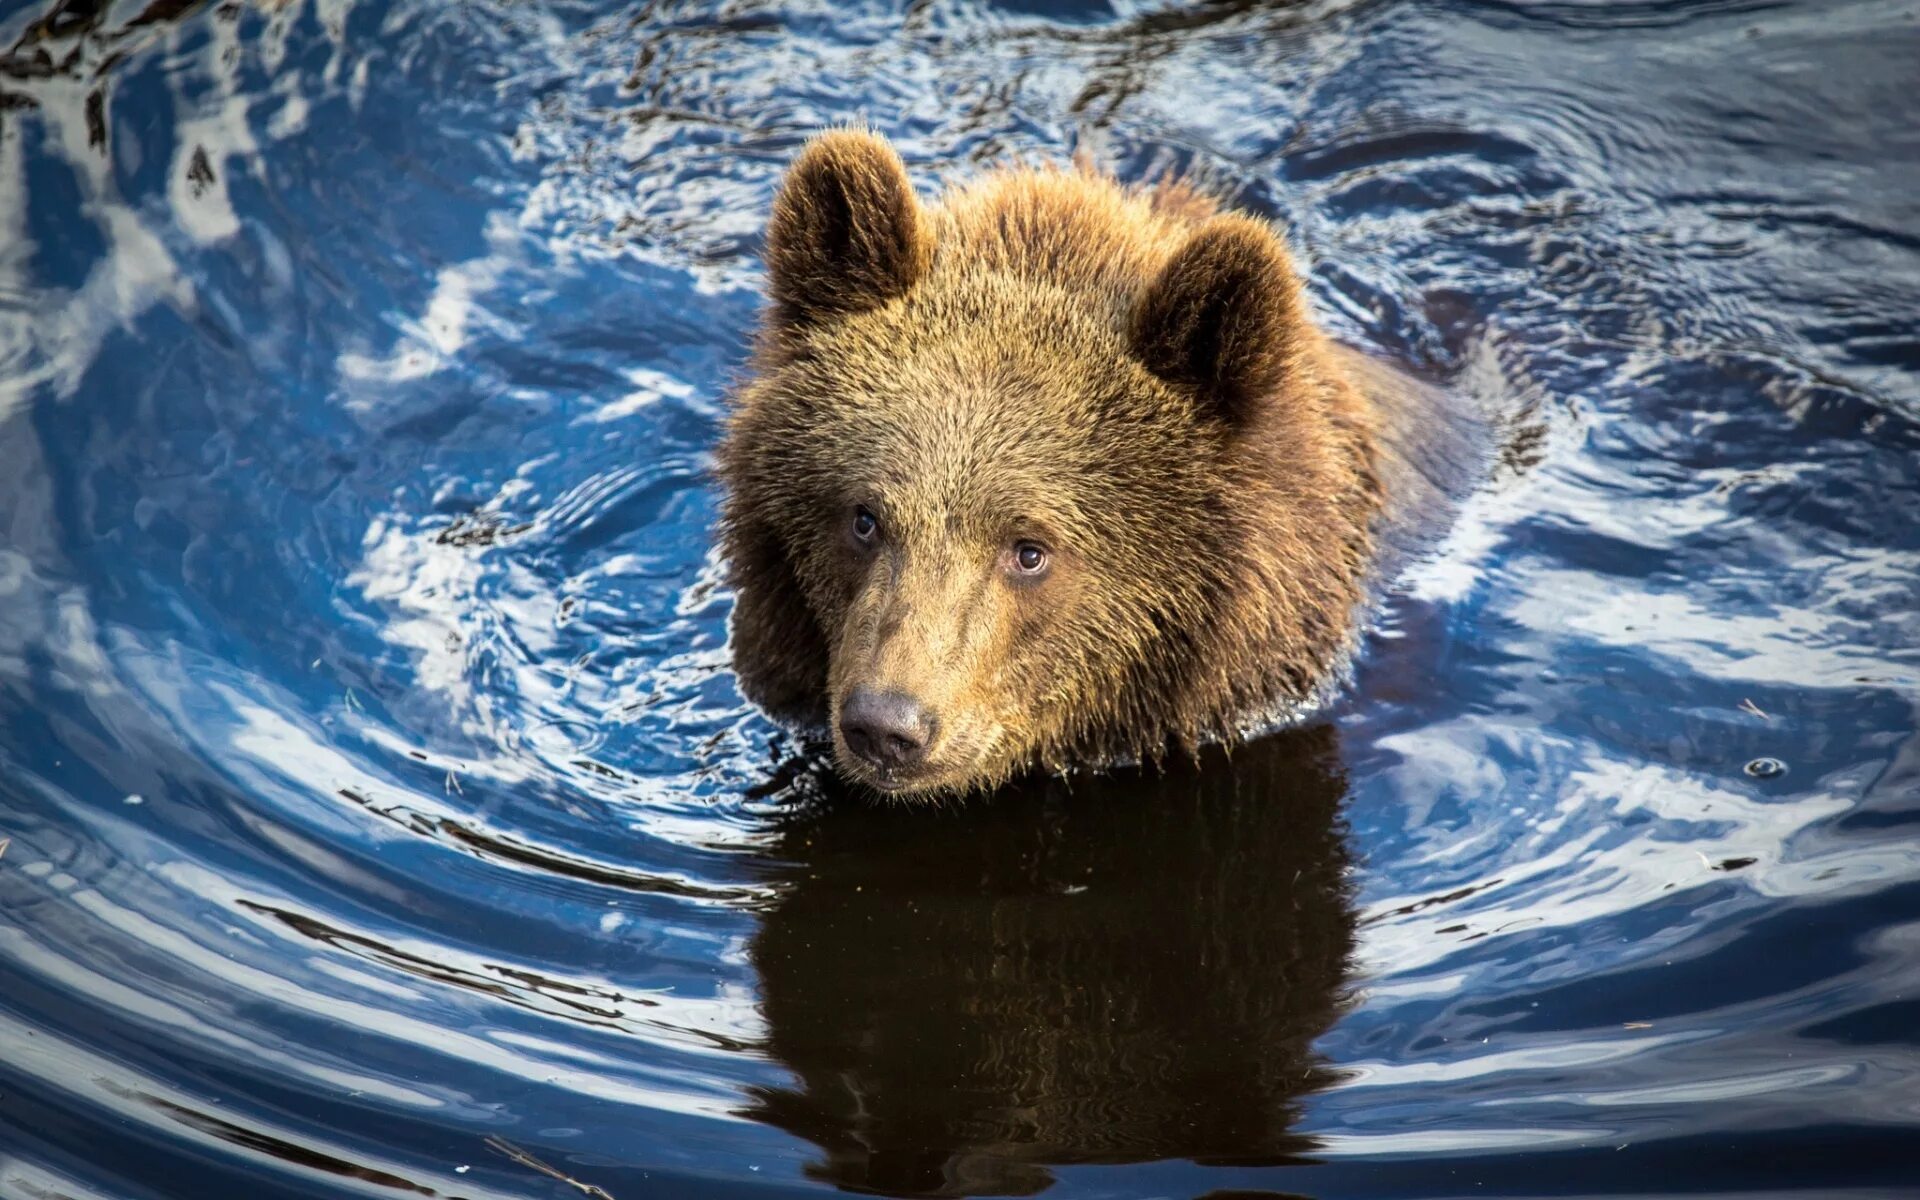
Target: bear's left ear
{"x":847,"y":233}
{"x":1224,"y":317}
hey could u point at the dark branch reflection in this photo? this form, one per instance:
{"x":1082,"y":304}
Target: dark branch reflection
{"x":1128,"y":968}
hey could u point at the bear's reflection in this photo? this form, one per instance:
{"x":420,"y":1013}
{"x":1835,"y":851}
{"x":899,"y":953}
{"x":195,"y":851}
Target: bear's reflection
{"x":1115,"y":969}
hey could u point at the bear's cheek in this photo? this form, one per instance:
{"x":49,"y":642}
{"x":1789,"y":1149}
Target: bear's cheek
{"x":1036,"y":669}
{"x":835,"y":583}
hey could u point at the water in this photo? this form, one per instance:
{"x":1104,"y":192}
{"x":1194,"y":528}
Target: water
{"x":381,"y":817}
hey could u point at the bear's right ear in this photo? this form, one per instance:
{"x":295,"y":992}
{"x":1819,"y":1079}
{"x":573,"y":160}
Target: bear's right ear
{"x":1224,"y":317}
{"x":847,"y":233}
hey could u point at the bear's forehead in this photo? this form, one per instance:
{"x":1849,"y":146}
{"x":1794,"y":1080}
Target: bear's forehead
{"x":972,"y":482}
{"x":961,"y":473}
{"x":1007,"y":381}
{"x":972,"y":438}
{"x":982,"y":402}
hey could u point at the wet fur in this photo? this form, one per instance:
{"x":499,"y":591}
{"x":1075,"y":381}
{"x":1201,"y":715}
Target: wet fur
{"x":1128,"y":371}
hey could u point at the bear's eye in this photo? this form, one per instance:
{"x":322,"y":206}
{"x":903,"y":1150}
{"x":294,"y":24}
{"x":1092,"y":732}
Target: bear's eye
{"x":865,"y":524}
{"x":1029,"y":557}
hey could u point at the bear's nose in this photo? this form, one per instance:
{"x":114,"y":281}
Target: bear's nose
{"x":889,"y":730}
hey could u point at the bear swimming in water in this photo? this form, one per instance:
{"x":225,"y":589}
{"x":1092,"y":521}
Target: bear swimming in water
{"x":1049,"y":471}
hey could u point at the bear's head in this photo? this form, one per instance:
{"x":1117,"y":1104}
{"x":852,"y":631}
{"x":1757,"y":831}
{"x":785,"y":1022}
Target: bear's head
{"x":993,"y":500}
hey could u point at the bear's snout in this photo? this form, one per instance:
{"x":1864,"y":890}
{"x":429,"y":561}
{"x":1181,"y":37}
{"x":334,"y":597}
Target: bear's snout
{"x":888,"y":730}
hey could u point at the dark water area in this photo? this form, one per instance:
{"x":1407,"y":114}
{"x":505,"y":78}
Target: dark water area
{"x":379,"y":815}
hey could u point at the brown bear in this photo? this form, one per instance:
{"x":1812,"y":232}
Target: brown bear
{"x":1051,"y":471}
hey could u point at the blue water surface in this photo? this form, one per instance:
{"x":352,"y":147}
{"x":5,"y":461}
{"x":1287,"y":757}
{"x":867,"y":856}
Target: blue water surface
{"x":378,"y":812}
